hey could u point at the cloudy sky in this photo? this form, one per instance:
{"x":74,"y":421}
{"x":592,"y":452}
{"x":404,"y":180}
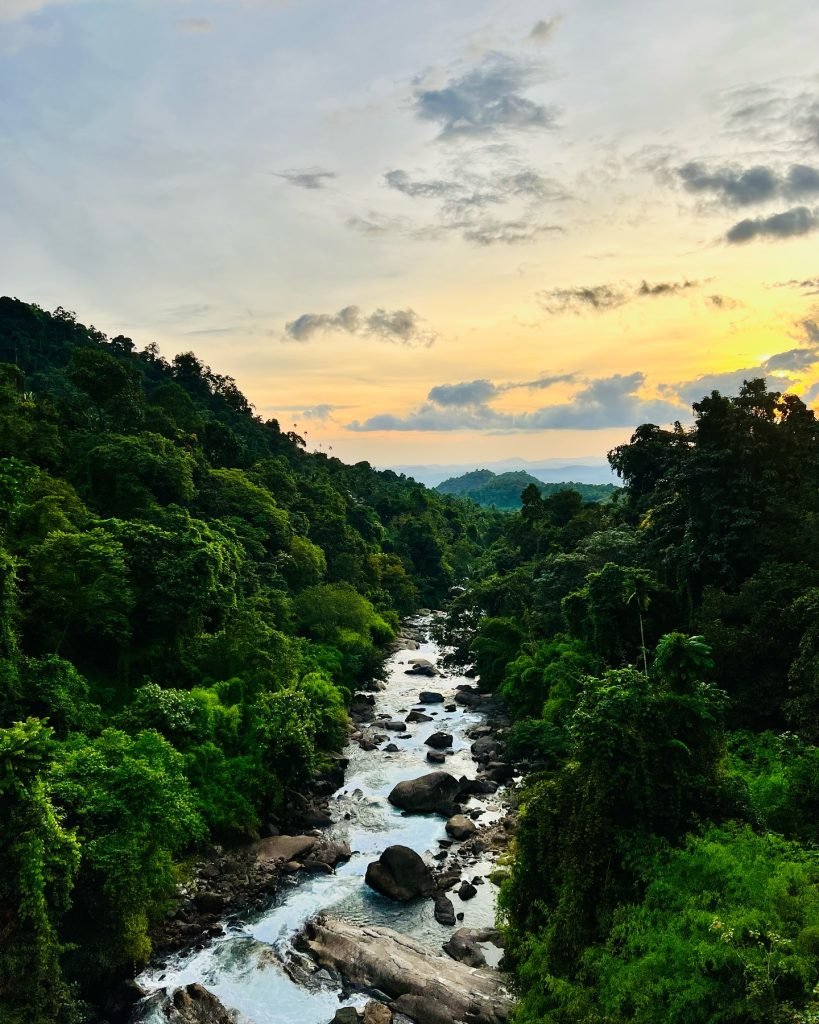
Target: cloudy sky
{"x":426,"y":232}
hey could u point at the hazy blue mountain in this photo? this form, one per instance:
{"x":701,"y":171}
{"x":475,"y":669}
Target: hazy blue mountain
{"x":582,"y":469}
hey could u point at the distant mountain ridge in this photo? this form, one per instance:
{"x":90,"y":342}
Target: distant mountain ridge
{"x":503,"y":490}
{"x":584,"y":469}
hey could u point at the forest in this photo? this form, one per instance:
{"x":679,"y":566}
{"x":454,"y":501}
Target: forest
{"x":660,"y":656}
{"x":189,"y":598}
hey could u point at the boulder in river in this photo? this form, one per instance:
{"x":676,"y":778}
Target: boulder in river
{"x":499,"y":771}
{"x":478,"y":787}
{"x":192,"y":1004}
{"x":436,"y":757}
{"x":444,"y":910}
{"x":460,"y":827}
{"x":463,"y":946}
{"x":429,"y":989}
{"x":345,"y":1015}
{"x":487,"y":748}
{"x":395,"y":725}
{"x":468,"y":698}
{"x":422,"y":670}
{"x":434,"y":793}
{"x":417,"y":716}
{"x":430,"y":697}
{"x":467,"y":891}
{"x":376,"y":1013}
{"x":400,"y":874}
{"x":439,"y":740}
{"x":283,"y":848}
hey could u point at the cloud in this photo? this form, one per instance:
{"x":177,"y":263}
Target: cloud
{"x":543,"y":30}
{"x":463,"y":202}
{"x":475,"y":392}
{"x":194,"y":25}
{"x":734,"y":186}
{"x":721,"y":302}
{"x":776,"y":367}
{"x":597,"y":297}
{"x":321,"y":412}
{"x":661,"y":288}
{"x":311,"y":178}
{"x":489,"y":231}
{"x":790,"y":224}
{"x":486,"y":100}
{"x":603,"y":297}
{"x":808,"y":285}
{"x":479,"y":392}
{"x":471,"y":191}
{"x":768,"y":112}
{"x":606,"y":402}
{"x":402,"y":326}
{"x":727,"y":383}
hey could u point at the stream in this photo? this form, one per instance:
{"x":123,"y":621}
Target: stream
{"x":244,"y":967}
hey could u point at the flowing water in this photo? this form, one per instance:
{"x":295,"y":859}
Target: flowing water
{"x":244,"y":966}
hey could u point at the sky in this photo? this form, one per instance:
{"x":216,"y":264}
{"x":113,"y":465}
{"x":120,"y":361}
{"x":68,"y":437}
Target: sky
{"x":448,"y":232}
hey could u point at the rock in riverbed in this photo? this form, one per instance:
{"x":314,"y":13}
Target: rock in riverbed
{"x":435,"y":793}
{"x":192,"y":1004}
{"x":463,"y":946}
{"x":417,"y":716}
{"x":460,"y":827}
{"x":400,"y":874}
{"x":444,"y":910}
{"x":430,"y":697}
{"x":427,"y":988}
{"x":439,"y":740}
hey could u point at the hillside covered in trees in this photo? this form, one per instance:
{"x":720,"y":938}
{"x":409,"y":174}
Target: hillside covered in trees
{"x":504,"y":491}
{"x":660,"y":656}
{"x":187,"y":600}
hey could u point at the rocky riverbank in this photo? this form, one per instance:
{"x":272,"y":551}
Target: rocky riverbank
{"x":418,"y":719}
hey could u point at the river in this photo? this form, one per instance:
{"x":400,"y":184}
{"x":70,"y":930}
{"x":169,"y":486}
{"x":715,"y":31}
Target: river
{"x":244,"y":966}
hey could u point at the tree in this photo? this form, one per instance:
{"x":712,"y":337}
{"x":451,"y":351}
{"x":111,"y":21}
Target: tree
{"x":79,"y":592}
{"x":38,"y":863}
{"x":131,"y":804}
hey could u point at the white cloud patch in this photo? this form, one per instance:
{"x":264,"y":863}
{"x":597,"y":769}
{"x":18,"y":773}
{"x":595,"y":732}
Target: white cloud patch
{"x":401,"y":326}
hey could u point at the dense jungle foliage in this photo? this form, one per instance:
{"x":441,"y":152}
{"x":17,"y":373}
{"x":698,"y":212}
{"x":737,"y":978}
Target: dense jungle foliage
{"x":503,"y":491}
{"x":660,"y":655}
{"x":187,"y":600}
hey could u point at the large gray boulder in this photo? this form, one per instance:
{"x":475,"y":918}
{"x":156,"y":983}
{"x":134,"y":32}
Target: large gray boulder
{"x":427,"y":988}
{"x":439,"y":740}
{"x":435,"y":793}
{"x":400,"y":874}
